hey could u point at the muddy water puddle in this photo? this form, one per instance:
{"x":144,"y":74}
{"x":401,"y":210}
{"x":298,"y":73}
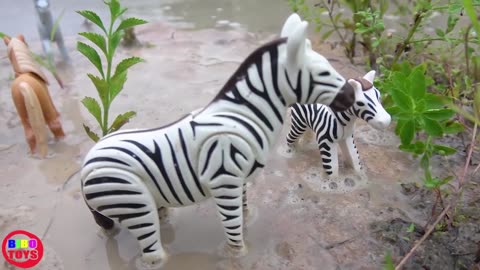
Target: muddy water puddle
{"x":297,"y":224}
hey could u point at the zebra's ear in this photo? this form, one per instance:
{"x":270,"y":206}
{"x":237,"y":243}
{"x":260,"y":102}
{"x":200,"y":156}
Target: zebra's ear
{"x":296,"y":45}
{"x":290,"y":25}
{"x":370,"y":76}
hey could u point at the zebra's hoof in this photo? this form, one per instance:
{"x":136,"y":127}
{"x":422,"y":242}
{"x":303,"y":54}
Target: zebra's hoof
{"x":152,"y":260}
{"x":110,"y":232}
{"x":236,"y":251}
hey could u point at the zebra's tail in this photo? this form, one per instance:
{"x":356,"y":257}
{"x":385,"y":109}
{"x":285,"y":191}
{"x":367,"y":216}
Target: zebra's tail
{"x":116,"y":195}
{"x":36,"y":120}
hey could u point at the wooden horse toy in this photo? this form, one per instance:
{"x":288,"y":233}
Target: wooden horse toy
{"x":31,"y":97}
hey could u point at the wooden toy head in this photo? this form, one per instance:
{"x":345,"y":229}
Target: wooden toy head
{"x":20,"y":57}
{"x":367,"y":104}
{"x":313,"y":79}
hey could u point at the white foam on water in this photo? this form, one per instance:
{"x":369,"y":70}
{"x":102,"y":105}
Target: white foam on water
{"x":346,"y":182}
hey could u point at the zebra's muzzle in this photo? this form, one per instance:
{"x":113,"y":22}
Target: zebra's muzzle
{"x":344,"y":99}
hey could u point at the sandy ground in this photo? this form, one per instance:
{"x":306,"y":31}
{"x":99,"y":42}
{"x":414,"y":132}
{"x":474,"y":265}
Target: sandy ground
{"x":299,"y":224}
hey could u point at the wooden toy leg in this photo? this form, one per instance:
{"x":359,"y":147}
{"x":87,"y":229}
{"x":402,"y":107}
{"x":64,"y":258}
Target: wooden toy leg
{"x":49,"y":111}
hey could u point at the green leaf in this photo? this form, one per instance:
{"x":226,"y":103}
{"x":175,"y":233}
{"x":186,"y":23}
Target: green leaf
{"x":440,"y":32}
{"x":327,"y":34}
{"x":93,"y":17}
{"x":444,"y":150}
{"x":130,"y":22}
{"x":411,"y":228}
{"x":454,"y":128}
{"x":451,"y":22}
{"x":114,"y":8}
{"x":3,"y":35}
{"x":102,"y":88}
{"x":402,"y":100}
{"x":432,"y":127}
{"x":117,"y":83}
{"x":433,"y":101}
{"x":56,"y":23}
{"x":389,"y":265}
{"x":416,"y":83}
{"x":127,"y":63}
{"x":439,"y":114}
{"x":94,"y":108}
{"x":115,"y":40}
{"x":407,"y":132}
{"x":121,"y":120}
{"x":425,"y":163}
{"x":417,"y":148}
{"x":394,"y":110}
{"x":91,"y":134}
{"x":92,"y":55}
{"x":97,"y":39}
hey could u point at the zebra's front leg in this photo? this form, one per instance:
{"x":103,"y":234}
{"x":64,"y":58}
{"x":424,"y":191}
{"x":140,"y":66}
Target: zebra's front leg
{"x":350,"y":151}
{"x":227,"y":192}
{"x":329,"y":154}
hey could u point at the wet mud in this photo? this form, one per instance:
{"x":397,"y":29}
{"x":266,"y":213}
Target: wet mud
{"x":300,"y":220}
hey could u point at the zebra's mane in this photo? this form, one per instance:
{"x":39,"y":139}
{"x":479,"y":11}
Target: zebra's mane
{"x":253,"y":58}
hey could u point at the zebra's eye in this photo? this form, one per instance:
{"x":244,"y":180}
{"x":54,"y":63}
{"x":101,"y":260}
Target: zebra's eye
{"x":359,"y":103}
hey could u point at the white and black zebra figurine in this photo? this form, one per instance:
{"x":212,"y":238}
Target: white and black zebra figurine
{"x":130,"y":174}
{"x":333,"y":127}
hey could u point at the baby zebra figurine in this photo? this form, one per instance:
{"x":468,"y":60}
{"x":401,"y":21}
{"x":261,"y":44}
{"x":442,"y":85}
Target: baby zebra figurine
{"x":333,"y":127}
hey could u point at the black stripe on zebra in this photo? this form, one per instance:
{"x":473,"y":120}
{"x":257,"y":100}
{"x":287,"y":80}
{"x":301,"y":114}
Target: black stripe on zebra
{"x":233,"y":227}
{"x":130,"y":153}
{"x":255,"y":166}
{"x":194,"y":125}
{"x":209,"y":154}
{"x":246,"y":125}
{"x":274,"y":72}
{"x":156,"y":157}
{"x":105,"y":180}
{"x":189,"y":164}
{"x":178,"y":171}
{"x":233,"y":152}
{"x":221,"y":170}
{"x":122,"y":217}
{"x":240,"y":100}
{"x":141,"y":237}
{"x":149,"y":248}
{"x":93,"y":195}
{"x":228,"y":207}
{"x":107,"y":159}
{"x":139,"y":226}
{"x":297,"y":90}
{"x":121,"y":205}
{"x":264,"y":95}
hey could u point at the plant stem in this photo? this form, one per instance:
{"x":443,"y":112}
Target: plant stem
{"x":467,"y":60}
{"x":430,"y":230}
{"x":416,"y":23}
{"x":337,"y":30}
{"x":109,"y":71}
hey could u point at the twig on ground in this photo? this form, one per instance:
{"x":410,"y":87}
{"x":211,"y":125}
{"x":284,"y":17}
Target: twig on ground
{"x":419,"y":242}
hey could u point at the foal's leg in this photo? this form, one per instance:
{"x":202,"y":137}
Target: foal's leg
{"x":329,"y":154}
{"x":349,"y":149}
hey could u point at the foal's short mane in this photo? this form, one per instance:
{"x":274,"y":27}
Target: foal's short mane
{"x":254,"y":57}
{"x":366,"y":85}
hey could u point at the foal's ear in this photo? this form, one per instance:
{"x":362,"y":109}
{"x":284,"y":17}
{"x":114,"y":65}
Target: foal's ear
{"x":290,"y":25}
{"x":6,"y":40}
{"x":296,"y":45}
{"x":370,"y":76}
{"x":22,"y":38}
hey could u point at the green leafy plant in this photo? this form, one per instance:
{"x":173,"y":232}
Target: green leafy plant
{"x":111,"y":81}
{"x":421,"y":117}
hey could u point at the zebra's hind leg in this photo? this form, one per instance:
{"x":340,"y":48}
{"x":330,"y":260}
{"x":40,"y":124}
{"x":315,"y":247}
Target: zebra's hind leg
{"x":121,"y":196}
{"x":228,"y":199}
